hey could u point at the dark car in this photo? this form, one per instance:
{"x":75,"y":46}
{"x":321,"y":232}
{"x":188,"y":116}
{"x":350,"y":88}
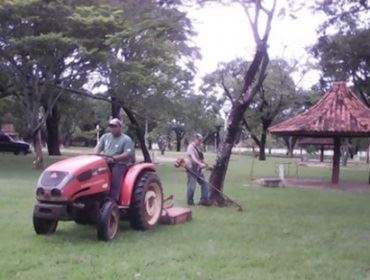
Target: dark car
{"x":8,"y":144}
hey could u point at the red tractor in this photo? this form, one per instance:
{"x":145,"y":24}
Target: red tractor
{"x":78,"y":189}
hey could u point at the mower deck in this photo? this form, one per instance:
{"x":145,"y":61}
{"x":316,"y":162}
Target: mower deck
{"x":175,"y":215}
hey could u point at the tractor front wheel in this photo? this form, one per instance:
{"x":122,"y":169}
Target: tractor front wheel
{"x":108,"y":221}
{"x":146,"y":202}
{"x":44,"y":226}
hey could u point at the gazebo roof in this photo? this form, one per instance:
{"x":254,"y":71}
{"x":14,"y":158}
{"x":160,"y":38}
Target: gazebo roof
{"x":338,"y":113}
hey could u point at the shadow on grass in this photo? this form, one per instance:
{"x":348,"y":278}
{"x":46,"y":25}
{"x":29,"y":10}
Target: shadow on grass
{"x":87,"y":234}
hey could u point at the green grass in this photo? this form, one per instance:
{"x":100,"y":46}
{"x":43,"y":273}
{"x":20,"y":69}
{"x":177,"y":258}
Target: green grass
{"x":282,"y":233}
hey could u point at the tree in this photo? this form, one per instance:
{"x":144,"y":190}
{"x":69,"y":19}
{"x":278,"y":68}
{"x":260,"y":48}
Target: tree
{"x":275,"y":95}
{"x":194,"y":113}
{"x":260,"y":23}
{"x":81,"y":113}
{"x":48,"y":47}
{"x":44,"y":44}
{"x":343,"y":44}
{"x":346,"y":57}
{"x":141,"y":69}
{"x":344,"y":15}
{"x":184,"y":116}
{"x":179,"y":129}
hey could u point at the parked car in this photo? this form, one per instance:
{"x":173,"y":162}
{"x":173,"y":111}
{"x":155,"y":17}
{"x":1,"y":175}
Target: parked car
{"x":8,"y":144}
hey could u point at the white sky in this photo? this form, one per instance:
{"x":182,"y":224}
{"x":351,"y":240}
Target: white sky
{"x":224,"y":34}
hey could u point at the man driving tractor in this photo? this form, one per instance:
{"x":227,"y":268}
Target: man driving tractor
{"x":121,"y":150}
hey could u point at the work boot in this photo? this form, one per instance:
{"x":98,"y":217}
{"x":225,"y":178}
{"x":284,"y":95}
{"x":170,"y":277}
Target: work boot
{"x":191,"y":203}
{"x":204,"y":203}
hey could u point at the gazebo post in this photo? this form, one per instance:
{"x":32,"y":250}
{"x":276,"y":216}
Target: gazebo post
{"x":336,"y":161}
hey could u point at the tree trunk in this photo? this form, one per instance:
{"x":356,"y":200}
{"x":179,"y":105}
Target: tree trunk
{"x":36,"y":141}
{"x":178,"y":142}
{"x":294,"y":141}
{"x":115,"y":108}
{"x":290,"y":148}
{"x":262,"y":154}
{"x":223,"y":155}
{"x":322,"y":153}
{"x":290,"y":142}
{"x":262,"y":143}
{"x":218,"y":128}
{"x":253,"y":79}
{"x":139,"y":133}
{"x":287,"y":143}
{"x":52,"y":128}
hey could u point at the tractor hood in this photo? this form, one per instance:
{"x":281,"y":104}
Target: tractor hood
{"x":76,"y":165}
{"x":71,"y":178}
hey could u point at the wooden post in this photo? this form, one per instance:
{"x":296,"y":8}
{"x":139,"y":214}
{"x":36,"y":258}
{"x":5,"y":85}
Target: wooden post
{"x":336,"y":161}
{"x":322,"y":153}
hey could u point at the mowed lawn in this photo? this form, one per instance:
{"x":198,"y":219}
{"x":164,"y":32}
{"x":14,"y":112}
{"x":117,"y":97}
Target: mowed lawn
{"x":281,"y":234}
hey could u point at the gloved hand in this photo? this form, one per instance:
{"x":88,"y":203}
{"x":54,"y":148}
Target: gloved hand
{"x":210,"y":167}
{"x":204,"y":165}
{"x":111,"y":160}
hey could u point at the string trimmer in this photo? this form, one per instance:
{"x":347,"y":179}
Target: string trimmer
{"x":180,"y":162}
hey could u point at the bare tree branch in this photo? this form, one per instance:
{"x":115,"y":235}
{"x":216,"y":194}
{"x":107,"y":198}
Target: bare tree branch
{"x":270,"y":16}
{"x":101,"y":97}
{"x":252,"y":23}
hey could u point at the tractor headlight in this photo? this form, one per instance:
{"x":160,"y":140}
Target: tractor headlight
{"x":56,"y":192}
{"x":54,"y":180}
{"x":40,"y":191}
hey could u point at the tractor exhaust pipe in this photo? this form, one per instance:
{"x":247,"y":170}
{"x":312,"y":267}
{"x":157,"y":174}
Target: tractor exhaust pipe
{"x":180,"y":162}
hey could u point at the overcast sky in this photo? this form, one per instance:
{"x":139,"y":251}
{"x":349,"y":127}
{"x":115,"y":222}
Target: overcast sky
{"x":224,"y":34}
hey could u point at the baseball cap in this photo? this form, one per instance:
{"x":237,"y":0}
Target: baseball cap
{"x":115,"y":122}
{"x":198,"y":136}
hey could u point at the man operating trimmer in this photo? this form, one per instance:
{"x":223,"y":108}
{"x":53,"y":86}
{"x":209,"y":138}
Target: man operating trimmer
{"x":195,"y":163}
{"x":122,"y":150}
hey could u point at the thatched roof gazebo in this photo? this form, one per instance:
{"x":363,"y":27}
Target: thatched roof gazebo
{"x":338,"y":114}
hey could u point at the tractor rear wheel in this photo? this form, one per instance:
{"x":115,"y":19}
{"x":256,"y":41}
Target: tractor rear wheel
{"x":146,"y":202}
{"x":44,"y":226}
{"x":108,"y":220}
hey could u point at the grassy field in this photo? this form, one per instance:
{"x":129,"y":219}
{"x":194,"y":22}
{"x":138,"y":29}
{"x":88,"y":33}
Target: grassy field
{"x":282,"y":234}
